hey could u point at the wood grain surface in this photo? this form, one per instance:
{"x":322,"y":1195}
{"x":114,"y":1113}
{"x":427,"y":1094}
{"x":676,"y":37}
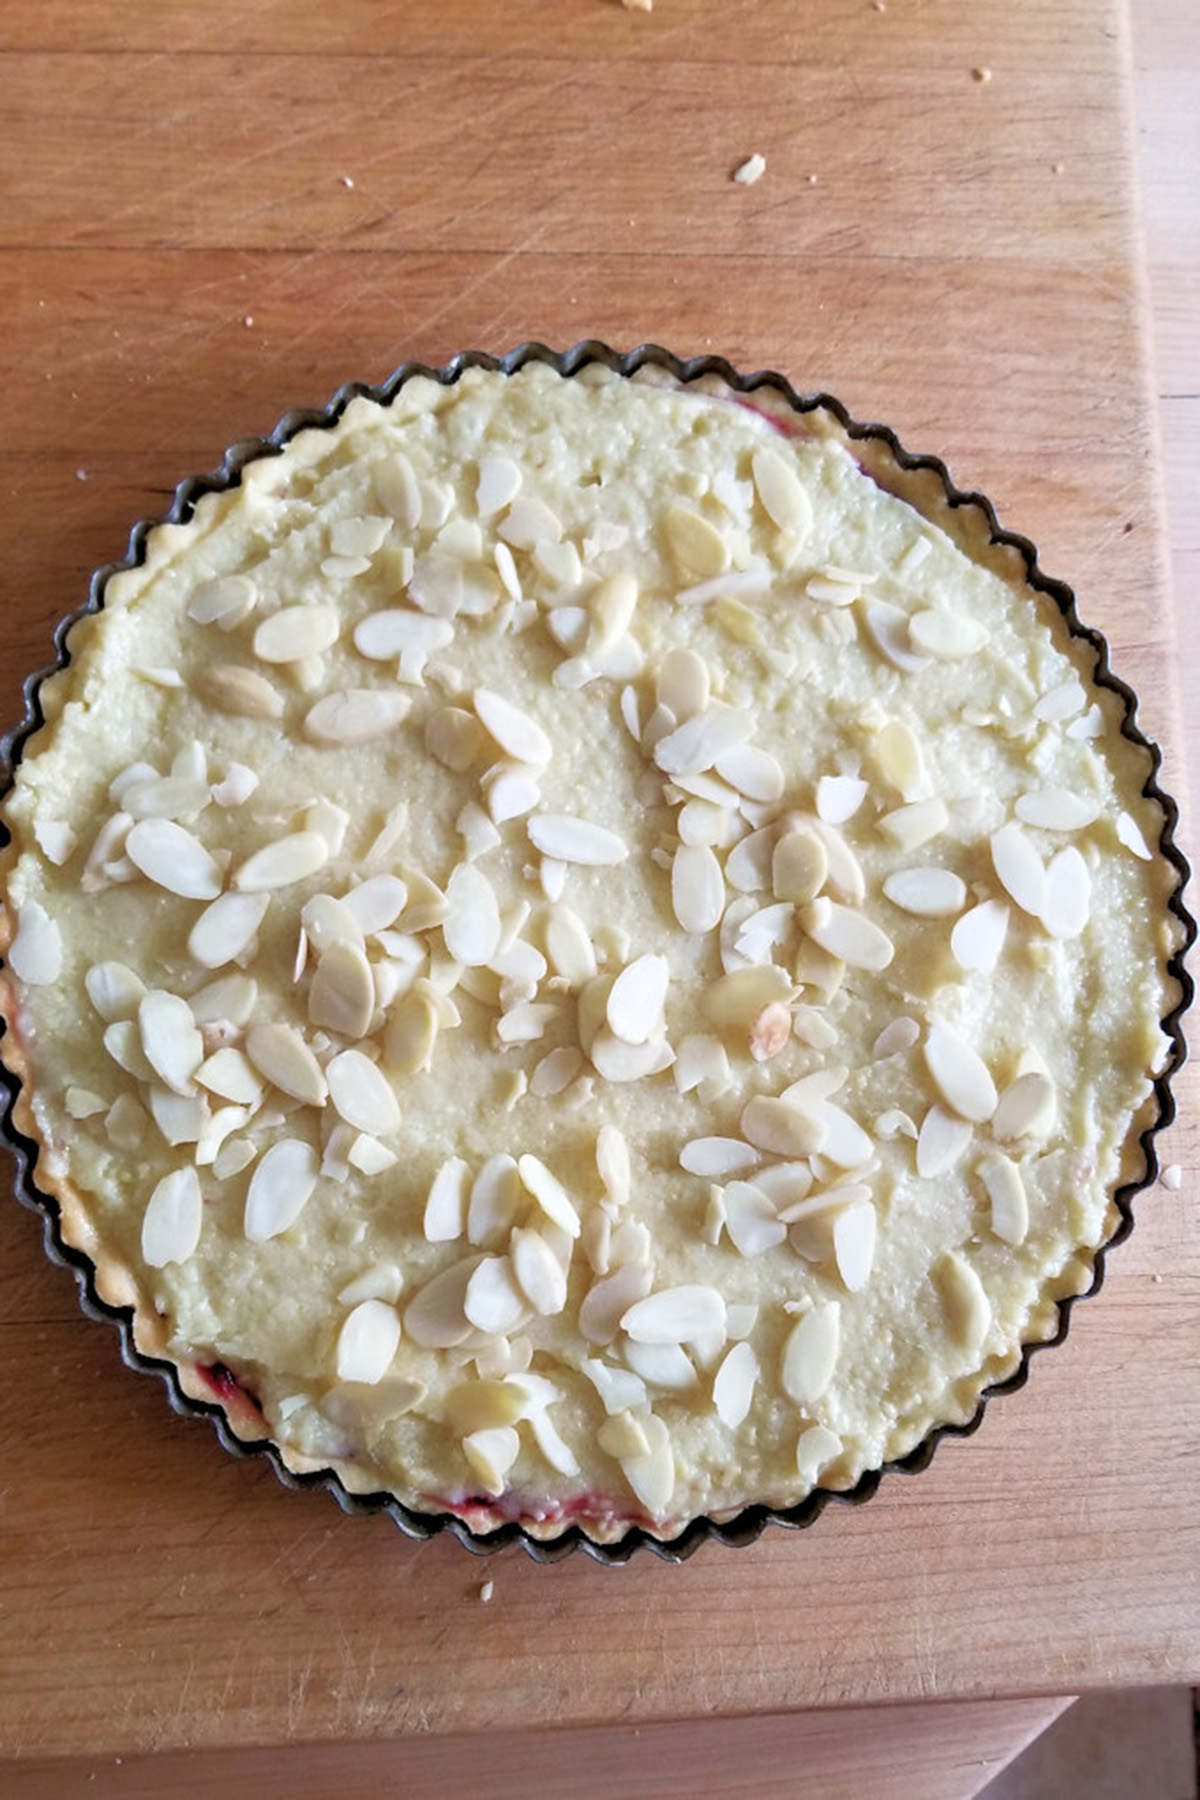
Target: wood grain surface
{"x":182,"y":257}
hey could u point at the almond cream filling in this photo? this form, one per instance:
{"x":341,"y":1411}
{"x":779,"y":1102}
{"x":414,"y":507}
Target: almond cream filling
{"x":597,"y":959}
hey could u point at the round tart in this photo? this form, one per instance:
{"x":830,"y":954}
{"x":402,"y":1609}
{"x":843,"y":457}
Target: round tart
{"x":588,"y":952}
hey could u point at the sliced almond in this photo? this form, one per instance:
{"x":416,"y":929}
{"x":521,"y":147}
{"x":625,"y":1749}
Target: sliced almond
{"x":888,"y":627}
{"x":517,"y":734}
{"x":494,"y":1200}
{"x":226,"y":929}
{"x":295,"y":632}
{"x":280,"y":1188}
{"x":751,"y":1220}
{"x":839,"y":797}
{"x":1056,"y":809}
{"x":229,"y":1000}
{"x":1006,"y":1190}
{"x":361,"y":1093}
{"x":112,"y":987}
{"x":617,"y":1061}
{"x":783,"y":498}
{"x":948,"y":635}
{"x":897,"y":754}
{"x":280,"y":1054}
{"x":35,"y":954}
{"x":612,"y":1163}
{"x":799,"y":866}
{"x":715,"y":1157}
{"x":623,"y":1435}
{"x":618,"y":1389}
{"x":698,"y":1059}
{"x":753,"y":772}
{"x":573,"y":840}
{"x":568,"y":946}
{"x":978,"y":937}
{"x":411,"y":1034}
{"x":528,"y":520}
{"x":409,"y":638}
{"x":850,"y":936}
{"x":231,"y":688}
{"x":355,"y":715}
{"x":342,"y":995}
{"x":471,"y":927}
{"x":376,"y":903}
{"x":1130,"y":833}
{"x":667,"y":1367}
{"x":493,"y":1301}
{"x":771,"y":1124}
{"x":675,"y":1315}
{"x":454,"y":737}
{"x":1068,"y":894}
{"x":172,"y":1220}
{"x":816,"y":1448}
{"x":283,"y":863}
{"x":1026,"y":1108}
{"x":367,"y":1342}
{"x":854,"y":1244}
{"x":929,"y":893}
{"x":682,"y":684}
{"x":697,"y":744}
{"x":900,"y":1035}
{"x":734,"y":1384}
{"x":652,"y":1475}
{"x":635,"y":1001}
{"x":498,"y":485}
{"x":943,"y":1140}
{"x":694,"y":543}
{"x":490,"y":1455}
{"x":960,"y":1074}
{"x":967,"y":1308}
{"x":845,"y":879}
{"x":608,"y":1300}
{"x":446,"y":1205}
{"x":435,"y":1317}
{"x":226,"y":601}
{"x":172,"y":858}
{"x":915,"y":825}
{"x":549,"y":1193}
{"x":172,"y":1045}
{"x":697,"y":889}
{"x":539,"y":1274}
{"x":738,"y":998}
{"x":1019,"y":868}
{"x":810,"y":1353}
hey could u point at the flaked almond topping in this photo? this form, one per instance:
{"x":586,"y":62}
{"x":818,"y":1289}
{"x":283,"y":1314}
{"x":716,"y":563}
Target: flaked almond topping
{"x":1019,"y":868}
{"x":342,"y":995}
{"x":180,"y":1117}
{"x":568,"y":946}
{"x":229,"y":1073}
{"x":697,"y":744}
{"x":528,"y":520}
{"x":844,"y":879}
{"x":236,"y":787}
{"x":700,"y":1059}
{"x":494,"y":1200}
{"x":361,"y":1093}
{"x":498,"y":485}
{"x":83,"y":1103}
{"x":911,"y":827}
{"x":816,"y":1448}
{"x":479,"y":833}
{"x":435,"y":1317}
{"x":397,"y":489}
{"x":810,"y":1026}
{"x":770,"y":1123}
{"x":611,"y":605}
{"x":35,"y":954}
{"x":539,"y":1274}
{"x":226,"y":601}
{"x":623,"y":1435}
{"x":286,"y":861}
{"x":126,"y":1123}
{"x":901,"y":1034}
{"x":839,"y":797}
{"x":943,"y":1139}
{"x":854,"y":1244}
{"x":967,"y":1308}
{"x":556,"y":1071}
{"x":1056,"y":809}
{"x":491,"y":1454}
{"x":172,"y":858}
{"x":753,"y":772}
{"x":715,"y":1157}
{"x":1026,"y":1108}
{"x":846,"y":1145}
{"x":939,"y":632}
{"x":369,"y":1156}
{"x":783,"y":498}
{"x":771,"y":1032}
{"x":615,"y":1060}
{"x":635,"y":1001}
{"x":734,"y":1384}
{"x":810,"y":1353}
{"x":960,"y":1074}
{"x":1130,"y":833}
{"x":280,"y":1188}
{"x":738,"y":998}
{"x":226,"y":929}
{"x":888,"y":627}
{"x":608,"y":1300}
{"x":411,"y":1034}
{"x":376,"y":903}
{"x":382,"y":1281}
{"x":751,"y":1219}
{"x":229,"y":1000}
{"x":172,"y":1220}
{"x":367,"y":1342}
{"x":232,"y":688}
{"x":486,"y":1404}
{"x":549,"y":1193}
{"x":850,"y":936}
{"x":696,"y":545}
{"x":326,"y":921}
{"x":748,"y":865}
{"x":834,"y":588}
{"x":355,"y":715}
{"x":358,"y":536}
{"x":675,"y":1315}
{"x":454,"y":737}
{"x":894,"y":1123}
{"x":929,"y":893}
{"x":55,"y":840}
{"x":517,"y":734}
{"x":511,"y":795}
{"x":701,"y":823}
{"x":493,"y":1301}
{"x":446,"y":1205}
{"x":681,"y":685}
{"x":799,"y":866}
{"x":652,"y":1475}
{"x":295,"y":632}
{"x":619,"y":1389}
{"x":557,"y":562}
{"x":471,"y":927}
{"x":1060,"y":702}
{"x":572,"y":840}
{"x":978,"y":937}
{"x":397,"y":634}
{"x":281,"y":1055}
{"x":1006,"y":1190}
{"x":526,"y":1022}
{"x":170,"y":1041}
{"x":1068,"y":894}
{"x":612,"y":1163}
{"x":181,"y":797}
{"x":731,"y":588}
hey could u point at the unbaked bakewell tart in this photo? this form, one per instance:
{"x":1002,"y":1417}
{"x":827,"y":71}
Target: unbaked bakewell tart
{"x":588,"y":952}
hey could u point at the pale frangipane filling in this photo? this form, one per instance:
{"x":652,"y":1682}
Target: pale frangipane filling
{"x":586,"y":952}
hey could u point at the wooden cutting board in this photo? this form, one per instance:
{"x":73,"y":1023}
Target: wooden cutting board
{"x":213,"y":214}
